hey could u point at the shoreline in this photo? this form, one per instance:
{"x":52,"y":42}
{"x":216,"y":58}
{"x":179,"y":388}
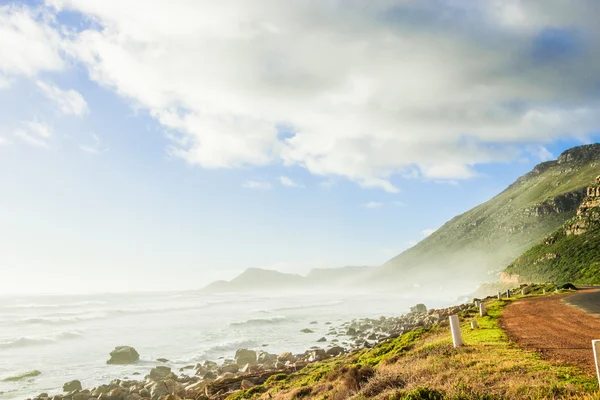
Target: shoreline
{"x":248,"y":368}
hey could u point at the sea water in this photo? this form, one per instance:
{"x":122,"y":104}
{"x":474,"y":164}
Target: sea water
{"x":70,"y":337}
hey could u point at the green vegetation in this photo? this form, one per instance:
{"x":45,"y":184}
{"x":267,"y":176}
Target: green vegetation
{"x":491,"y":235}
{"x":562,"y":258}
{"x":423,"y":364}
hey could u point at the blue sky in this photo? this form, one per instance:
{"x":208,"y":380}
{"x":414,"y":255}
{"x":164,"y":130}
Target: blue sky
{"x":168,"y":147}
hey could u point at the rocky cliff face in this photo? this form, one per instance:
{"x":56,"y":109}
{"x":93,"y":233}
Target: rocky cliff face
{"x":588,"y":213}
{"x":571,"y":253}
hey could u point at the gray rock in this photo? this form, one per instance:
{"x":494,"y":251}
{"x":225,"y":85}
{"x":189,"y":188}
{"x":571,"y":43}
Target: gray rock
{"x":123,"y":355}
{"x":419,"y":308}
{"x":232,"y":368}
{"x":287,"y":356}
{"x":162,"y":360}
{"x":335,"y":351}
{"x":245,"y":356}
{"x":164,"y":388}
{"x":210,"y":375}
{"x":71,"y":386}
{"x":323,"y":339}
{"x":159,"y":373}
{"x":306,"y":330}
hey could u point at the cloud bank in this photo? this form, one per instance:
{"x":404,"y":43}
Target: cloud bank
{"x":365,"y":91}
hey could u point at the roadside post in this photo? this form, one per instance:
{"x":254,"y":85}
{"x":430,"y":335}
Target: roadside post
{"x":455,"y":329}
{"x":474,"y":324}
{"x":499,"y":296}
{"x":482,"y":310}
{"x":596,"y":347}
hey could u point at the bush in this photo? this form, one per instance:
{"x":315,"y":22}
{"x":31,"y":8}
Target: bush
{"x":355,"y":377}
{"x":382,"y":381}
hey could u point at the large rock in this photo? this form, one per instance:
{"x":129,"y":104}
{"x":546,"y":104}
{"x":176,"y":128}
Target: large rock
{"x":335,"y":351}
{"x":123,"y":355}
{"x":164,"y":388}
{"x":72,"y":385}
{"x":287,"y":356}
{"x":244,"y":356}
{"x":159,"y":373}
{"x":419,"y":308}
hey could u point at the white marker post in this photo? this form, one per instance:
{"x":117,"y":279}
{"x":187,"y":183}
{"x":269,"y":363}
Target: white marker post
{"x":455,"y":329}
{"x":499,"y":296}
{"x":596,"y":347}
{"x":543,"y":291}
{"x":474,"y":325}
{"x":482,"y":311}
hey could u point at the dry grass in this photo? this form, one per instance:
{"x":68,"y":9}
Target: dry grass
{"x":487,"y":367}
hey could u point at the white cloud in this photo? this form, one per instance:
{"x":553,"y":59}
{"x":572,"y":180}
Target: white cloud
{"x":286,"y":181}
{"x":28,"y":44}
{"x":427,"y":232}
{"x":373,"y":204}
{"x":256,"y":185}
{"x":70,"y":102}
{"x":375,"y":90}
{"x":3,"y":141}
{"x":541,"y":153}
{"x":35,"y":133}
{"x":95,"y":147}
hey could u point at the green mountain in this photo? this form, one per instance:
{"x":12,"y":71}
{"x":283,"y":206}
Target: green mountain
{"x":571,"y":254}
{"x":476,"y":245}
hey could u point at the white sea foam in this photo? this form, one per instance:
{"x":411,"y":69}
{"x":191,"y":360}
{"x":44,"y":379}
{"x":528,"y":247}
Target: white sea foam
{"x":25,"y":341}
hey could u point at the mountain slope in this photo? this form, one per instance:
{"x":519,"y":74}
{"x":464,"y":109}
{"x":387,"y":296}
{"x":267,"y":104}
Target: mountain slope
{"x":571,"y":254}
{"x":488,"y":237}
{"x":257,"y":279}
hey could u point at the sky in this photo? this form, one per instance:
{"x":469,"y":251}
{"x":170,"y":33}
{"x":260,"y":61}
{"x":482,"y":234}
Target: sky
{"x":164,"y":146}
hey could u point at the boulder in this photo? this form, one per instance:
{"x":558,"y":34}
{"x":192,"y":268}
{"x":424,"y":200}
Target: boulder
{"x":323,"y":339}
{"x":245,"y":356}
{"x":232,"y":368}
{"x":162,"y":360}
{"x":335,"y":351}
{"x":123,"y":355}
{"x":210,"y":375}
{"x":317,"y":355}
{"x":265,"y":358}
{"x":159,"y":373}
{"x":306,"y":330}
{"x":419,"y":308}
{"x":72,"y":385}
{"x":164,"y":388}
{"x":287,"y":356}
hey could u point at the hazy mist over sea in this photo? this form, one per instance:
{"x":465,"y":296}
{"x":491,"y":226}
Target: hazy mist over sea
{"x":69,"y":337}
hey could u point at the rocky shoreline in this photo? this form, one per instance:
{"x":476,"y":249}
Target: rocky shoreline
{"x":248,"y":368}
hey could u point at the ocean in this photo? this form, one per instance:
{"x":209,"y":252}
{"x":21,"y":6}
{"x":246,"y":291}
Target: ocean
{"x":70,"y":337}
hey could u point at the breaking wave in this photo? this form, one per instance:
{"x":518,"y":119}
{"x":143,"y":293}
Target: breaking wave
{"x":26,"y":341}
{"x":225,"y":349}
{"x":260,"y":321}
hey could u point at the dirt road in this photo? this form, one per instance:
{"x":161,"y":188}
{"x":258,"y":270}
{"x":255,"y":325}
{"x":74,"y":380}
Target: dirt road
{"x":559,"y":331}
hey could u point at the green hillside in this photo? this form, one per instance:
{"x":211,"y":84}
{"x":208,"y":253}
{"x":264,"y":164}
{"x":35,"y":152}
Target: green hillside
{"x":570,"y":259}
{"x":572,"y":253}
{"x":482,"y":241}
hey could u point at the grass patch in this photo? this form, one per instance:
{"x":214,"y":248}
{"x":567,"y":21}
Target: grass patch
{"x":424,"y":365}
